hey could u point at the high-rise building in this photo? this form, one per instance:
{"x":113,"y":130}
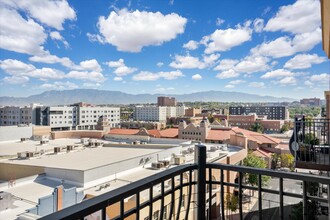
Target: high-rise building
{"x":272,"y":112}
{"x":166,"y":101}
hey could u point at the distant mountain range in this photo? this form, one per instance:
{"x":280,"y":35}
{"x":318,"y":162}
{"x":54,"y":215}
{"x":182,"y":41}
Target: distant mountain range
{"x":95,"y":96}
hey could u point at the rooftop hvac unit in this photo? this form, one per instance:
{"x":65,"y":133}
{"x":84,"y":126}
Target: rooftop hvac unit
{"x":29,"y":154}
{"x":24,"y":139}
{"x":57,"y":149}
{"x":191,"y":150}
{"x":224,"y":147}
{"x":84,"y":140}
{"x":179,"y":160}
{"x":157,"y":165}
{"x":43,"y":142}
{"x":165,"y":162}
{"x":69,"y":147}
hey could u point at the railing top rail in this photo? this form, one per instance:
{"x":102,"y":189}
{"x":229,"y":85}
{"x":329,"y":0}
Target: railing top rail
{"x":273,"y":173}
{"x":97,"y":203}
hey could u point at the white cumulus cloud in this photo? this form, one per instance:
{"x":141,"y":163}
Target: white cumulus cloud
{"x":196,"y":77}
{"x":149,"y":76}
{"x":16,"y":79}
{"x":227,"y":74}
{"x":191,"y":45}
{"x":50,"y":13}
{"x":286,"y":46}
{"x":132,"y":30}
{"x":277,"y":74}
{"x":304,"y":61}
{"x":301,"y":17}
{"x":225,"y":39}
{"x":120,"y":68}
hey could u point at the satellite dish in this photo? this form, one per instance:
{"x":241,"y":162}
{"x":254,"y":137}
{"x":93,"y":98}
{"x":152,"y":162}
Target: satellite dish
{"x":295,"y":146}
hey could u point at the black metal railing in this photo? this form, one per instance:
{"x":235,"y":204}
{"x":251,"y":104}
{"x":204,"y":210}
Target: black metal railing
{"x":310,"y":143}
{"x":194,"y":191}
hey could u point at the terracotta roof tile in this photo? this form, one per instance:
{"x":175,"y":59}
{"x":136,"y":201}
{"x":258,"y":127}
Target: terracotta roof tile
{"x":219,"y":135}
{"x":169,"y":133}
{"x":123,"y":131}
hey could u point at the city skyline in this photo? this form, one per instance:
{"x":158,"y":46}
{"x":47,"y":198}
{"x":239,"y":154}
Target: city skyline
{"x":166,"y":47}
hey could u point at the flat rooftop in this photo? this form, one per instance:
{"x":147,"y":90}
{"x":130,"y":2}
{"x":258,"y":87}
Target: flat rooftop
{"x":13,"y":147}
{"x":85,"y":158}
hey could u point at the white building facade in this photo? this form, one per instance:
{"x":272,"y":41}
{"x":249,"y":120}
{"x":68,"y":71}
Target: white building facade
{"x":76,"y":117}
{"x":159,"y":114}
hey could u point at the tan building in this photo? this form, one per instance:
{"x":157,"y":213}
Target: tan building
{"x":193,"y":112}
{"x":246,"y":121}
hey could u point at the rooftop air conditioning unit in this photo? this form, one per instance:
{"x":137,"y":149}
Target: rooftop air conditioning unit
{"x":57,"y":150}
{"x":224,"y":147}
{"x":191,"y":150}
{"x":69,"y":147}
{"x":157,"y":165}
{"x":29,"y":154}
{"x":84,"y":140}
{"x":165,"y":162}
{"x":179,"y":160}
{"x":24,"y":139}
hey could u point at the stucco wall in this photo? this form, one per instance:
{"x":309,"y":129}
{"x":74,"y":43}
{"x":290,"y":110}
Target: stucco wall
{"x":16,"y":171}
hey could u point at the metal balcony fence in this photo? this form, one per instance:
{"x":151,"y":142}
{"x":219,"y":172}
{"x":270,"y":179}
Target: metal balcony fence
{"x":310,"y":143}
{"x":201,"y":190}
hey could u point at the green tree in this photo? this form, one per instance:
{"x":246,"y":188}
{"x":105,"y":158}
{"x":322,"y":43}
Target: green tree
{"x":257,"y":127}
{"x":231,"y":202}
{"x":256,"y":162}
{"x":285,"y":128}
{"x":287,"y":160}
{"x":310,"y":138}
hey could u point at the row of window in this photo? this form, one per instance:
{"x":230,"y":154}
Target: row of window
{"x":192,"y":133}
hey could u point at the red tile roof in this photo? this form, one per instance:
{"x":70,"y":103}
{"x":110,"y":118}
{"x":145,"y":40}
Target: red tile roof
{"x":255,"y":136}
{"x":262,"y":153}
{"x":123,"y":131}
{"x":169,"y":133}
{"x":154,"y":133}
{"x":219,"y":135}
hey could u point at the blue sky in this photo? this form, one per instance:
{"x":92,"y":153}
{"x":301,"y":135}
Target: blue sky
{"x":156,"y":46}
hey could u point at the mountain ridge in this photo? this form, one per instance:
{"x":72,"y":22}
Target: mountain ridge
{"x":95,"y":96}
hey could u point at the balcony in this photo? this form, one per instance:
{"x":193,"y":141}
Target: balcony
{"x":310,"y":143}
{"x":198,"y":191}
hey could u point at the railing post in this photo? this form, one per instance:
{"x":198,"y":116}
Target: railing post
{"x":304,"y":185}
{"x":200,"y":157}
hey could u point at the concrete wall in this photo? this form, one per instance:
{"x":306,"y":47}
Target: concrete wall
{"x":14,"y":133}
{"x":77,"y":134}
{"x":73,"y":176}
{"x":41,"y":130}
{"x":16,"y":171}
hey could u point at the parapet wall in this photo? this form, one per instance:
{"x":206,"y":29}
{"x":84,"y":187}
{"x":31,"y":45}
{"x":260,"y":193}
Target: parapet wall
{"x":77,"y":134}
